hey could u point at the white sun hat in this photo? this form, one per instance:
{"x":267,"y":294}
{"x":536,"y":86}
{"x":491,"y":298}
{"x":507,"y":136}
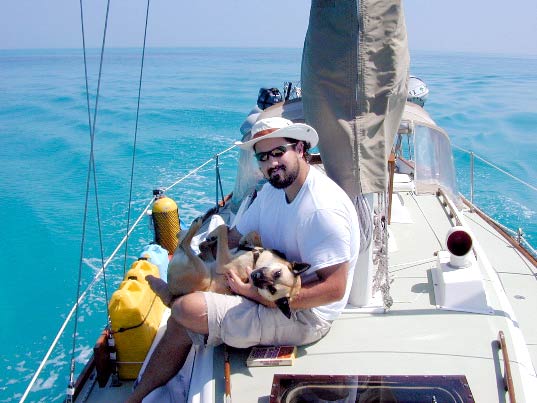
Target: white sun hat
{"x":269,"y":128}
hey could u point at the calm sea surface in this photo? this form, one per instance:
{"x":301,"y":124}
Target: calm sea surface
{"x":193,"y":103}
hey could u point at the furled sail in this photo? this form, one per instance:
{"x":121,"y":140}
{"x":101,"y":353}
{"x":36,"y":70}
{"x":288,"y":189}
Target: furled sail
{"x":355,"y":68}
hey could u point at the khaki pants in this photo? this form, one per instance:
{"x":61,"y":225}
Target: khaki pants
{"x":240,"y":322}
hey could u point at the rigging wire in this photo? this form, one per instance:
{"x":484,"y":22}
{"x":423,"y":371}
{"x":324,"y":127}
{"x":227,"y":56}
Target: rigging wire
{"x":198,"y":168}
{"x":440,"y":243}
{"x":135,"y":136}
{"x":101,"y":271}
{"x":91,"y":169}
{"x":81,"y":299}
{"x":219,"y":188}
{"x":513,"y":233}
{"x":497,"y":168}
{"x":91,"y":173}
{"x":92,"y":139}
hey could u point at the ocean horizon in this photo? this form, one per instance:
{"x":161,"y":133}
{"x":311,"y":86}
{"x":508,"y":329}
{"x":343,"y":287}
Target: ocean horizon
{"x":414,"y":52}
{"x":193,"y":102}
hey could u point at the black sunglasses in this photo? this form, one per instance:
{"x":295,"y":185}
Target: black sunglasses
{"x":274,"y":153}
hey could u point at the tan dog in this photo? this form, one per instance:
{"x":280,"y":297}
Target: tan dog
{"x":277,"y":279}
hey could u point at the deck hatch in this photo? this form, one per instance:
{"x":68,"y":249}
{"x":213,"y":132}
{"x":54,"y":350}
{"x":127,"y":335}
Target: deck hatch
{"x":374,"y":388}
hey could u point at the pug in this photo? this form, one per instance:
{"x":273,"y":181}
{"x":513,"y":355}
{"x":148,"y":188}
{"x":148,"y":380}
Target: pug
{"x":277,"y":279}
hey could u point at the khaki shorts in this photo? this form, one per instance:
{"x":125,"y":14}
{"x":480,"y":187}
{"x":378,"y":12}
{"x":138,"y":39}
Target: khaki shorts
{"x":239,"y":322}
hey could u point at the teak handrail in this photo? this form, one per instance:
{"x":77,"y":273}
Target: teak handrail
{"x":507,"y":377}
{"x":501,"y":231}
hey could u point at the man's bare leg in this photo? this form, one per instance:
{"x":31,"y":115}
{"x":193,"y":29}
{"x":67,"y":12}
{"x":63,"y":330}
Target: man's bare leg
{"x":172,"y":350}
{"x":167,"y":359}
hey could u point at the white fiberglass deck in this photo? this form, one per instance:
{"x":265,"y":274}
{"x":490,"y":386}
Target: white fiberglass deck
{"x":415,"y":337}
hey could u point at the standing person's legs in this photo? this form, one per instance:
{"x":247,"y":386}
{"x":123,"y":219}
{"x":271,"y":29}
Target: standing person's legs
{"x":170,"y":354}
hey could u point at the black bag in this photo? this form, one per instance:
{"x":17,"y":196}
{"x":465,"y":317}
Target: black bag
{"x":268,"y":97}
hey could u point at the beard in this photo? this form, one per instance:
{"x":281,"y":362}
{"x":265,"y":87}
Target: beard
{"x":280,"y":178}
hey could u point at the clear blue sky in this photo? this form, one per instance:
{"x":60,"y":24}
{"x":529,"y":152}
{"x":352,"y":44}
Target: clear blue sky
{"x":450,"y":25}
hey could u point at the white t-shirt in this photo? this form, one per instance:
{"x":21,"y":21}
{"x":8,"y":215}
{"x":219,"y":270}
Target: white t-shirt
{"x":319,"y":227}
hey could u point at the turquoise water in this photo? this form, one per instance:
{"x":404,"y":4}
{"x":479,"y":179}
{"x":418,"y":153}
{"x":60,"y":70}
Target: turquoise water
{"x":193,"y":102}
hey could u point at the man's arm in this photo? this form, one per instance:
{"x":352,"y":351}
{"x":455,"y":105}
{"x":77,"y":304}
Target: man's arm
{"x":330,"y":287}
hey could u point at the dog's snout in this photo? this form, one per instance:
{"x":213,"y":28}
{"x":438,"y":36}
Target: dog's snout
{"x":257,"y":275}
{"x":259,"y":279}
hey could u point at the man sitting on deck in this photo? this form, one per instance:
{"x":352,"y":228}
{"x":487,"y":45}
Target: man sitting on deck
{"x":300,"y":212}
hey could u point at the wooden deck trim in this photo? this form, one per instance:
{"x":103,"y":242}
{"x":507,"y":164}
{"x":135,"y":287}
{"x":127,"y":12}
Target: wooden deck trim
{"x":507,"y":377}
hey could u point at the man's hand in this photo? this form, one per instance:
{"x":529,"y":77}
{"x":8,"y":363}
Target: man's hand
{"x":235,"y":283}
{"x":246,"y":289}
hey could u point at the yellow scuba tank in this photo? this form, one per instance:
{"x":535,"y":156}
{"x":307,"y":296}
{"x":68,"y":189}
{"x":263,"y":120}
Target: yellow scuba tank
{"x":165,"y":221}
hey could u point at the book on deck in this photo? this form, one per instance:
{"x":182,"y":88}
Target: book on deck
{"x":271,"y":356}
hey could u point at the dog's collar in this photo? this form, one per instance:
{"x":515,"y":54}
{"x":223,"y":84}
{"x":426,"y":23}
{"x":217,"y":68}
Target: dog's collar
{"x":256,"y":252}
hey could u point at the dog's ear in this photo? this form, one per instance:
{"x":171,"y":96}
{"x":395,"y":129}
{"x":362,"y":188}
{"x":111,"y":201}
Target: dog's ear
{"x":283,"y":305}
{"x":299,"y":268}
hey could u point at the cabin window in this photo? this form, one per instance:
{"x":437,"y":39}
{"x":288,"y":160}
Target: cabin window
{"x":434,"y":161}
{"x":356,"y":388}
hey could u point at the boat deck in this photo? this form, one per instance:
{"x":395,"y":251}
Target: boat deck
{"x":517,"y":275}
{"x":415,"y":337}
